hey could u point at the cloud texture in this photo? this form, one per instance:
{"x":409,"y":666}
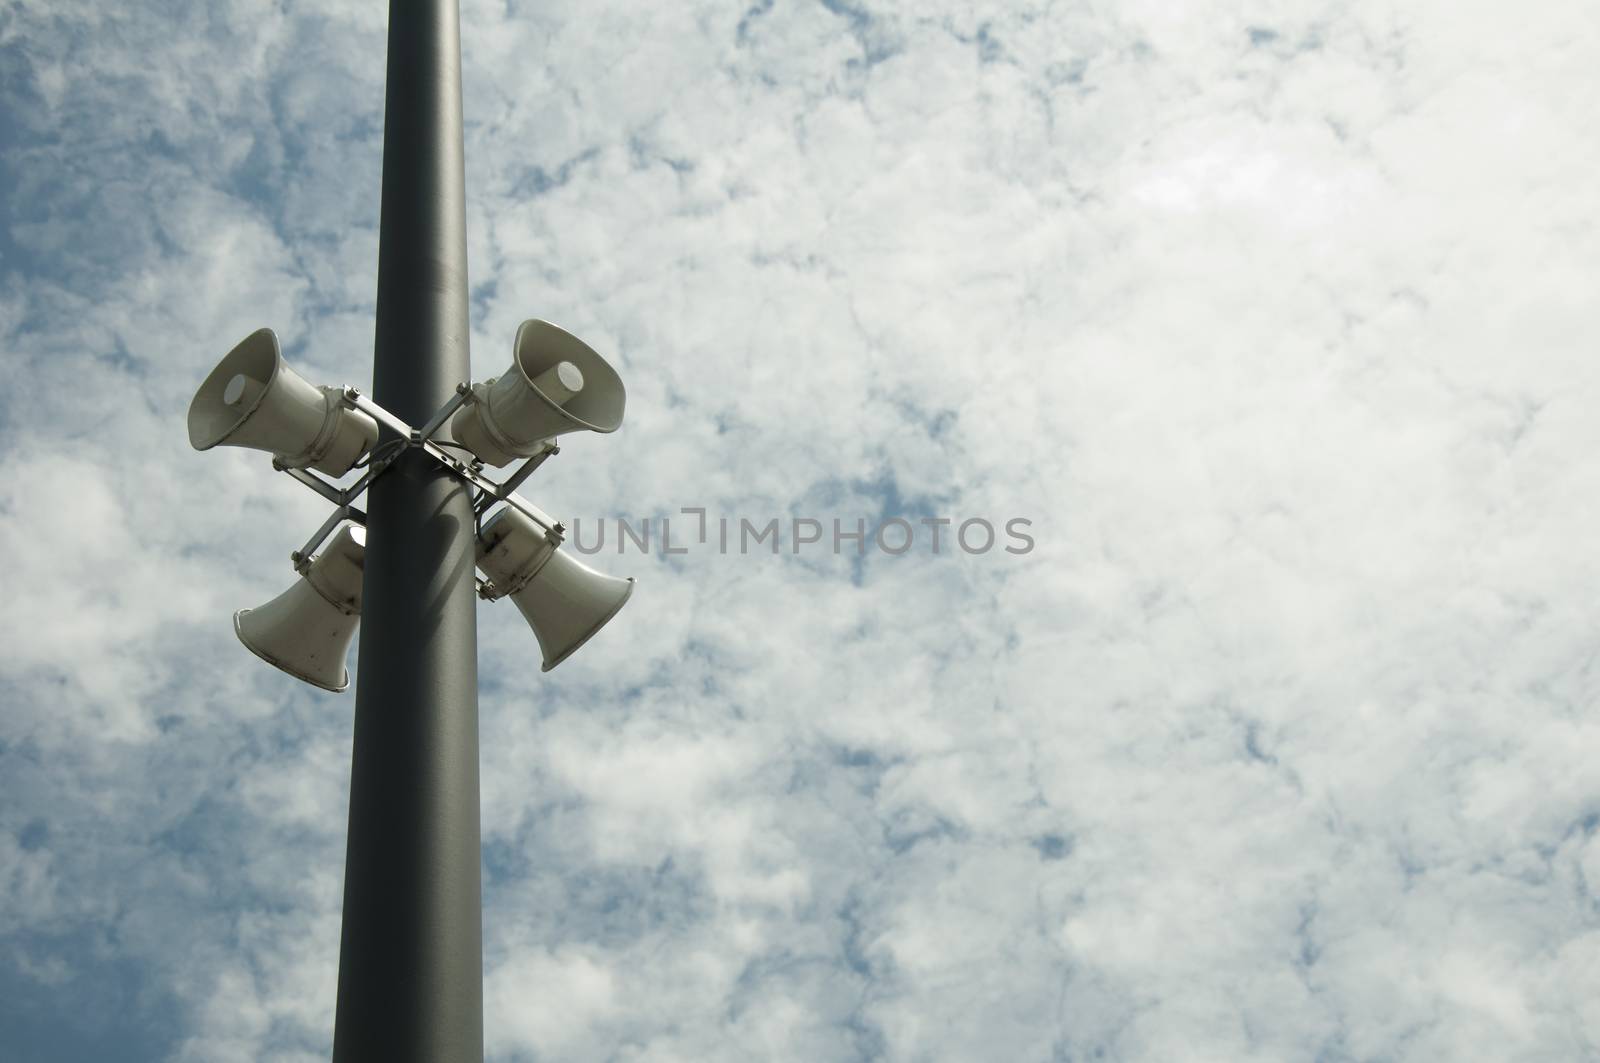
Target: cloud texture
{"x":1275,"y":319}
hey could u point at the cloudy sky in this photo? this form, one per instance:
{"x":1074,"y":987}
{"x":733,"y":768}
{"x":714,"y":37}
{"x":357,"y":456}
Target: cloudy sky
{"x":1274,"y":318}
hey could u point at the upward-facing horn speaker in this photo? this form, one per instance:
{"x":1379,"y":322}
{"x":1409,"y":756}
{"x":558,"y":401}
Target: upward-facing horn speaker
{"x":556,"y":384}
{"x":252,"y":399}
{"x":306,"y":630}
{"x":565,"y":601}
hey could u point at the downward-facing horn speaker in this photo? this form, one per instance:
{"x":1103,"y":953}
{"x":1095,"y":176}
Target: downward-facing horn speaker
{"x":252,"y":399}
{"x":565,"y":601}
{"x":306,"y":630}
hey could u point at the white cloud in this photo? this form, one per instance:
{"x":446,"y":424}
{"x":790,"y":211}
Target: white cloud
{"x":1274,"y":320}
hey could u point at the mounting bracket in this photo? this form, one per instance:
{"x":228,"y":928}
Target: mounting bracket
{"x":486,"y":491}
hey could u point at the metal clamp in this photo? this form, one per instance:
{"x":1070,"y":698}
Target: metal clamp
{"x":303,"y":557}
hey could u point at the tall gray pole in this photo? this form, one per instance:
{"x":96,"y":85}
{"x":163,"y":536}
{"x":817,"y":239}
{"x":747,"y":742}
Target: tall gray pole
{"x":411,"y":953}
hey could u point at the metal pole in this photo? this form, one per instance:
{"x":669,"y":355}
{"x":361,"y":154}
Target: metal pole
{"x":411,"y":952}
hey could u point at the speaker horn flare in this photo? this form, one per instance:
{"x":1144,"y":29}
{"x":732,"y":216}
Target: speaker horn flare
{"x":253,"y":399}
{"x":565,"y":601}
{"x":556,"y":384}
{"x":307,"y":630}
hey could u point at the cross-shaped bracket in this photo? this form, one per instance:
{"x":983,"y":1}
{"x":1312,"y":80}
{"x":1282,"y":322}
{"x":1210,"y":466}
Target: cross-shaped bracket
{"x":486,"y":491}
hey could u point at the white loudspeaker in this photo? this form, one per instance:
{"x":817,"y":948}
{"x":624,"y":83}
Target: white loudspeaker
{"x":307,"y":629}
{"x":563,"y":600}
{"x":556,"y":384}
{"x":252,"y":399}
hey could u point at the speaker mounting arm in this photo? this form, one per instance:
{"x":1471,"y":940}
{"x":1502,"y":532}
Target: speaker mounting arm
{"x":462,"y":396}
{"x":502,"y":492}
{"x":313,"y":481}
{"x":303,"y":557}
{"x":487,"y":492}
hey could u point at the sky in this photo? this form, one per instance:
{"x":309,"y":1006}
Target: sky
{"x":1274,"y":320}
